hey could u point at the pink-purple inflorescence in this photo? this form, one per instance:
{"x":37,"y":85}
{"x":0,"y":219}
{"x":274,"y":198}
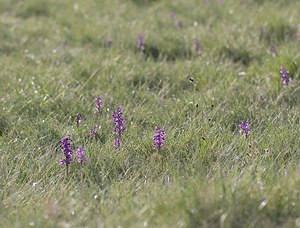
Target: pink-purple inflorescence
{"x":98,"y":104}
{"x":172,"y":15}
{"x":117,"y":143}
{"x":284,"y":73}
{"x":159,"y":139}
{"x":119,"y":127}
{"x":140,"y":42}
{"x":66,"y":148}
{"x":94,"y":131}
{"x":245,"y":128}
{"x":81,"y":155}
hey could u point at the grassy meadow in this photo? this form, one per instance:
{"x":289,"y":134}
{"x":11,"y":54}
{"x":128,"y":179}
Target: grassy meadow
{"x":205,"y":67}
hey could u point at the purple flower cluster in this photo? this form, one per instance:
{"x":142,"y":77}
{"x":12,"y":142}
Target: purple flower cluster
{"x":284,"y":73}
{"x":172,"y":15}
{"x":81,"y":155}
{"x":98,"y":104}
{"x":140,"y":42}
{"x":159,"y":139}
{"x":117,"y":143}
{"x":66,"y":148}
{"x":119,"y":127}
{"x":245,"y":128}
{"x":94,"y":131}
{"x":179,"y":23}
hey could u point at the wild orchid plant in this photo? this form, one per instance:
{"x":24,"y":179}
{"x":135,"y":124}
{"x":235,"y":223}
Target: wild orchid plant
{"x":66,"y":149}
{"x":159,"y":139}
{"x":245,"y":128}
{"x":81,"y":155}
{"x":284,"y":73}
{"x":119,"y":127}
{"x":98,"y":104}
{"x":140,"y":42}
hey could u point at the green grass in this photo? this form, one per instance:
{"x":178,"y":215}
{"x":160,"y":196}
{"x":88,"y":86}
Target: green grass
{"x":54,"y":59}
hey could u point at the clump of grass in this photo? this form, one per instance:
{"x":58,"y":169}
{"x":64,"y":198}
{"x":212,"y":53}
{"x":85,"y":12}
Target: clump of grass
{"x":279,"y":31}
{"x":35,"y":9}
{"x":237,"y":55}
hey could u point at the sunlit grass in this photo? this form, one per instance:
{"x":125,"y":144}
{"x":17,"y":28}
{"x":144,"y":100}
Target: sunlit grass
{"x":57,"y":56}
